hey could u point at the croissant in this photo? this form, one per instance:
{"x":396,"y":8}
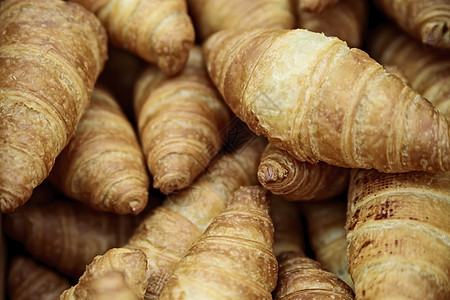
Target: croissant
{"x":319,"y":100}
{"x":159,"y":31}
{"x":233,"y":259}
{"x":49,"y":232}
{"x":398,"y":231}
{"x":167,"y":233}
{"x":51,"y":54}
{"x":181,"y":122}
{"x":398,"y":223}
{"x":103,"y":165}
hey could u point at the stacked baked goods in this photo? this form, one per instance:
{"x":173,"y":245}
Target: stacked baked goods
{"x":194,"y":149}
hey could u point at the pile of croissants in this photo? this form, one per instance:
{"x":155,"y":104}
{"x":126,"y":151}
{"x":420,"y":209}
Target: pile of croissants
{"x":225,"y":149}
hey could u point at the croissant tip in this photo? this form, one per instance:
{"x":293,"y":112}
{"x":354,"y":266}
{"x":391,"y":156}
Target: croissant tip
{"x":171,"y":182}
{"x":271,"y":173}
{"x":8,"y":205}
{"x":437,"y":34}
{"x":135,"y":206}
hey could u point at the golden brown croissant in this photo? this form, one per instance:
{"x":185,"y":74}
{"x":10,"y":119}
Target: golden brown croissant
{"x":283,"y":175}
{"x":28,"y":279}
{"x":130,"y":263}
{"x":299,"y":276}
{"x":50,"y":56}
{"x":213,"y":16}
{"x":428,"y":21}
{"x":159,"y":31}
{"x":181,"y":120}
{"x":319,"y":100}
{"x":103,"y":165}
{"x":233,"y":259}
{"x":397,"y":224}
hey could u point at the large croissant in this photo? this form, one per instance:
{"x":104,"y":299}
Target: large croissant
{"x":317,"y":99}
{"x":50,"y":56}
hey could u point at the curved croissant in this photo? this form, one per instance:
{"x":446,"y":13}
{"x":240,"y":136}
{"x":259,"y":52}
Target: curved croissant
{"x":159,"y":31}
